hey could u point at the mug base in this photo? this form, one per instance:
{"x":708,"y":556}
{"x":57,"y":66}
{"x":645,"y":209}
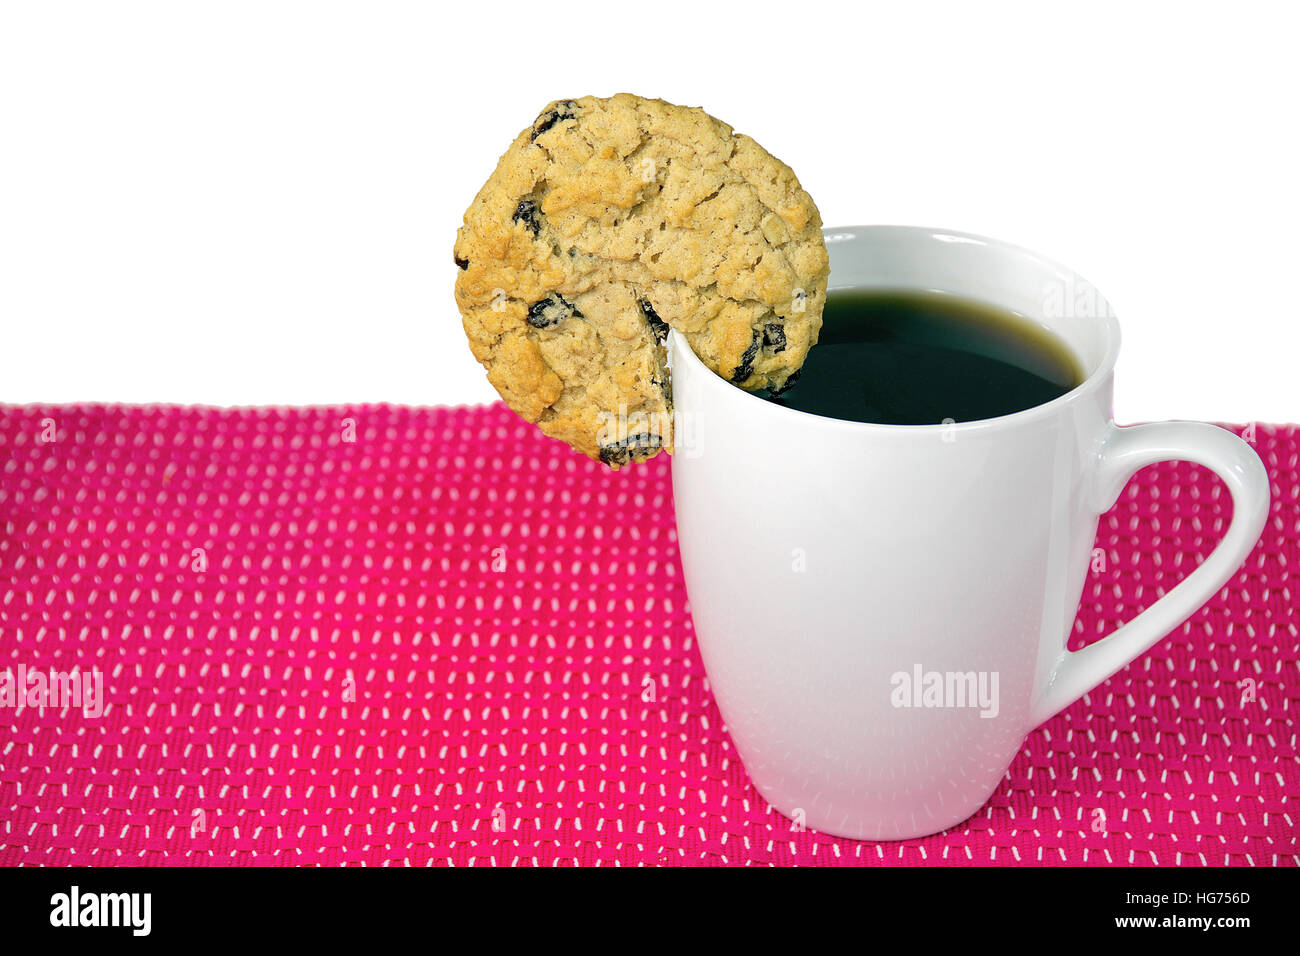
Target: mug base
{"x":874,"y":828}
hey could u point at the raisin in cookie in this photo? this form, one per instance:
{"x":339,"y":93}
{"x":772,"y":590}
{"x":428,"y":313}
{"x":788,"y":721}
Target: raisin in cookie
{"x":607,"y":222}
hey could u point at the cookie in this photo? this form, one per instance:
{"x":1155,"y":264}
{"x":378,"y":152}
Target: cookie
{"x":606,"y":223}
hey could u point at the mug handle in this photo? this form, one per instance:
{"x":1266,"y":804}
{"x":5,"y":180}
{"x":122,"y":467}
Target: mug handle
{"x":1124,"y":451}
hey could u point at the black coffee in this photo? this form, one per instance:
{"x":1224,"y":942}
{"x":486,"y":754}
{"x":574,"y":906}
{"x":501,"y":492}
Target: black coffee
{"x":901,"y":357}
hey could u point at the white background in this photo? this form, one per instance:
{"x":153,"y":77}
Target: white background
{"x":236,"y":203}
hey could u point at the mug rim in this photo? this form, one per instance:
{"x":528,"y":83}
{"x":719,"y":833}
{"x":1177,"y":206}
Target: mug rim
{"x":681,"y":349}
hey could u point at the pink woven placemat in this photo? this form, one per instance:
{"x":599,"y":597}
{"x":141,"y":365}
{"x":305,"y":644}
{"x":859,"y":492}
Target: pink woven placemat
{"x":388,"y":635}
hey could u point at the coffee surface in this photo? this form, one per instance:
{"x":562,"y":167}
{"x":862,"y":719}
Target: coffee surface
{"x":910,"y":357}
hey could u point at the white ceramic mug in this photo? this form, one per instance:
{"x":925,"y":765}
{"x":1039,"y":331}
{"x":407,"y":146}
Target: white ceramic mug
{"x":883,"y":609}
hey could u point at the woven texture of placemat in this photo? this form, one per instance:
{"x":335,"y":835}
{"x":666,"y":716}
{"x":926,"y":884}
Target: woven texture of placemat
{"x":381,"y":635}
